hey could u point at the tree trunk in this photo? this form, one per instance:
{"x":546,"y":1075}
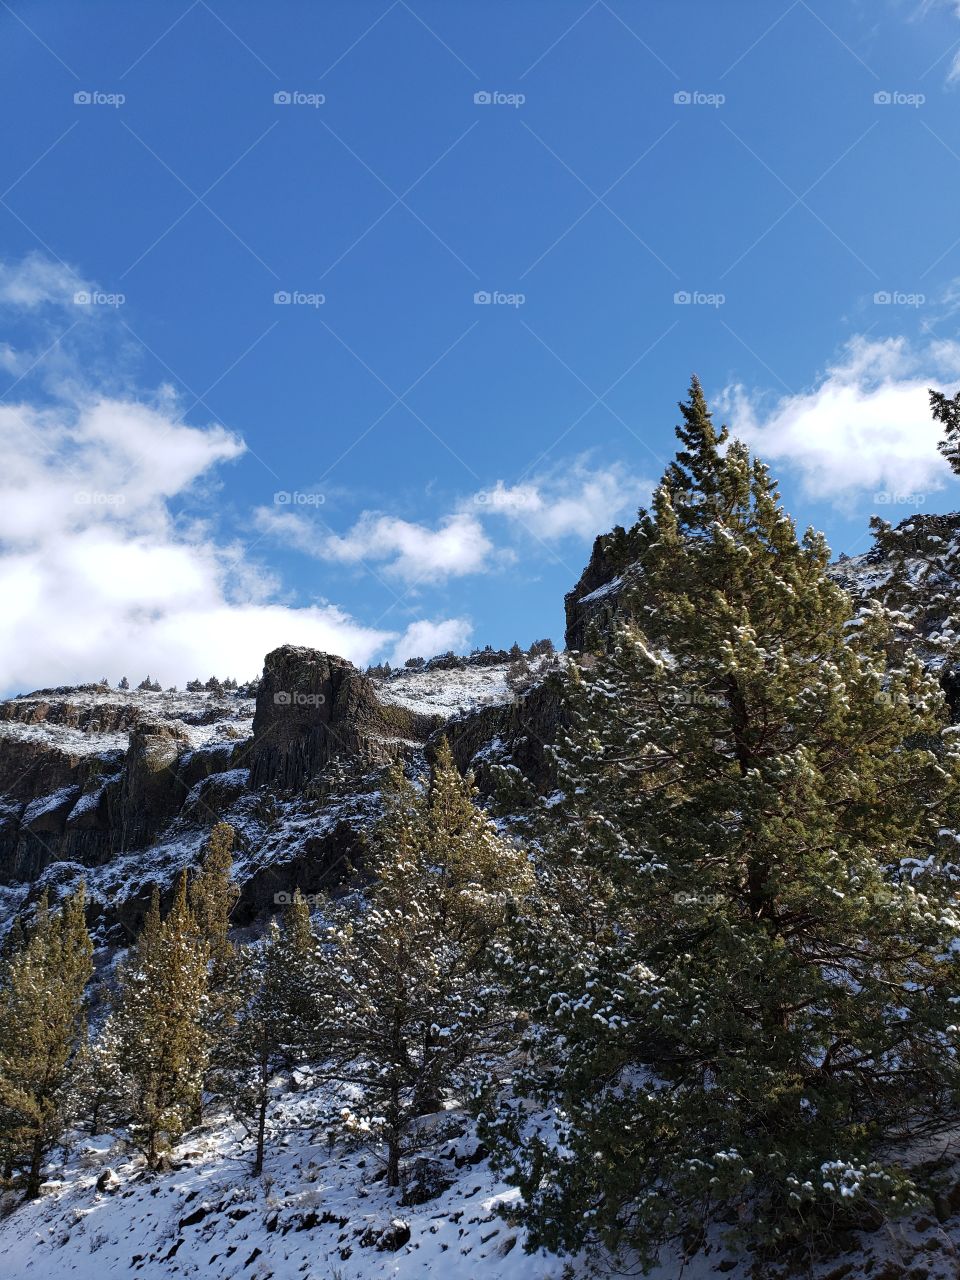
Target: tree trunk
{"x":261,"y":1118}
{"x":36,"y":1165}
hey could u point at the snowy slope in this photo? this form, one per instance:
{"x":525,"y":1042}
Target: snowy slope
{"x":322,"y":1213}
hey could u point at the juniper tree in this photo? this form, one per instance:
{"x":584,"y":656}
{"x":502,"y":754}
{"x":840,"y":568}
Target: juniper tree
{"x":42,"y":1008}
{"x":411,"y":1005}
{"x":212,"y":896}
{"x":275,"y":1020}
{"x":158,"y":1025}
{"x":743,"y":967}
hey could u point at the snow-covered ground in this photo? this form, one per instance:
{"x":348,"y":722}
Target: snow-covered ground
{"x":318,"y":1213}
{"x":450,"y":692}
{"x":322,"y":1212}
{"x":445,"y":693}
{"x":44,"y":717}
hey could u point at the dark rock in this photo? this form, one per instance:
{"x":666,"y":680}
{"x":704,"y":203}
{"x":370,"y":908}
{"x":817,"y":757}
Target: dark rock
{"x":152,"y":790}
{"x":386,"y":1239}
{"x":108,"y":1181}
{"x":313,"y":707}
{"x":423,"y":1180}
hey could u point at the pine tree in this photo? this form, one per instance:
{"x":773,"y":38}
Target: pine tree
{"x":947,"y":411}
{"x":411,"y":1007}
{"x":212,"y":895}
{"x":918,"y":566}
{"x":744,"y":958}
{"x":158,"y":1026}
{"x":42,"y":1008}
{"x":276,"y":1019}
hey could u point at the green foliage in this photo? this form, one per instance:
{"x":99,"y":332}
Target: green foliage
{"x":411,"y":1009}
{"x":157,"y":1027}
{"x":743,"y":953}
{"x":41,"y":1028}
{"x":275,"y":1018}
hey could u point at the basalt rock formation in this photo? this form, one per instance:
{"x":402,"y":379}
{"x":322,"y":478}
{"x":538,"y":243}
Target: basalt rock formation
{"x":313,"y":707}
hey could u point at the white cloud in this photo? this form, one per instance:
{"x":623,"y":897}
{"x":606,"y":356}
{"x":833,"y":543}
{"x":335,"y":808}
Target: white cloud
{"x":411,"y":552}
{"x":575,"y":502}
{"x":98,"y":578}
{"x":36,"y":281}
{"x":423,"y":639}
{"x":864,"y":428}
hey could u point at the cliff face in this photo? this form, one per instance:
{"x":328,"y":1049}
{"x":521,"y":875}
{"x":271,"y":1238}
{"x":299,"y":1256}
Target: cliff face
{"x":593,"y":607}
{"x":314,"y":707}
{"x":88,"y":772}
{"x":121,"y":788}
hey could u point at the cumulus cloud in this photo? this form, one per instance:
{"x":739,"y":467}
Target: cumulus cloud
{"x":412,"y":552}
{"x":865,"y":427}
{"x":96,"y":574}
{"x":423,"y":639}
{"x":575,"y":502}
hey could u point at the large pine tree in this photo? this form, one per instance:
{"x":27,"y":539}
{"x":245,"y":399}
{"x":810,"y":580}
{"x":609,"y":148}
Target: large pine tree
{"x":744,"y":957}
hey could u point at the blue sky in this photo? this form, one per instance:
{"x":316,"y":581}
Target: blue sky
{"x":764,"y":193}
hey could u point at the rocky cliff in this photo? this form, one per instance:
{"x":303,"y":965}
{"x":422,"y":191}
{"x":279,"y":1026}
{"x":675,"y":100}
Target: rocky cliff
{"x":120,"y":788}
